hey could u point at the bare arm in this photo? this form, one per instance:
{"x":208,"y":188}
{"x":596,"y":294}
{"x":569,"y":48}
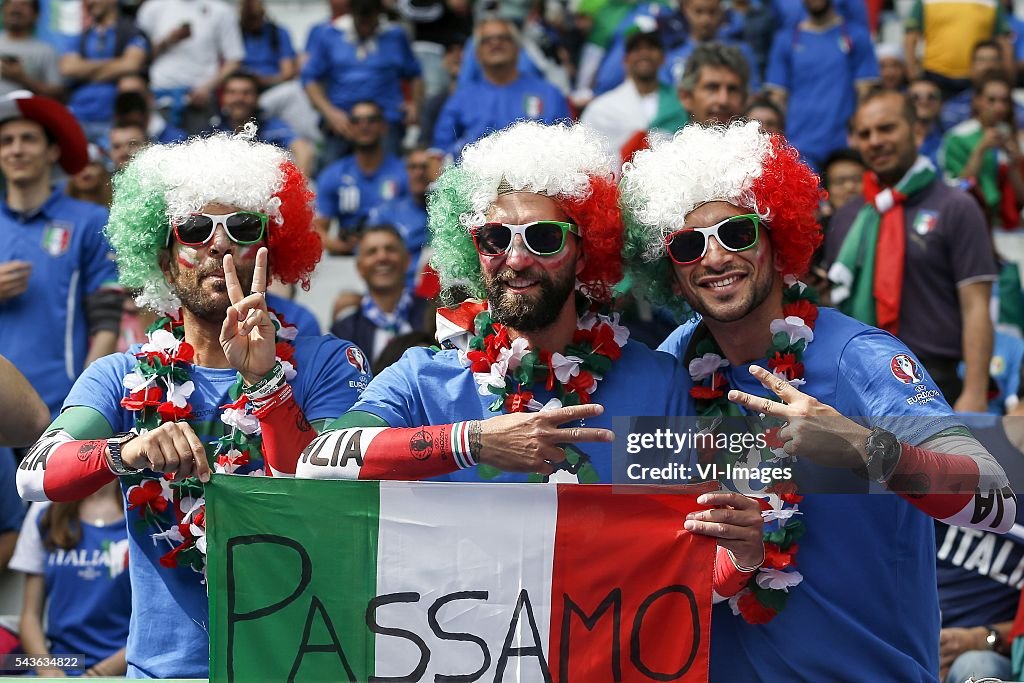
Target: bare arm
{"x":102,"y":343}
{"x":910,"y":40}
{"x":23,"y":415}
{"x":133,"y":61}
{"x":33,"y":638}
{"x":304,"y":155}
{"x":287,"y":69}
{"x":336,"y":119}
{"x":8,"y":540}
{"x":976,"y":344}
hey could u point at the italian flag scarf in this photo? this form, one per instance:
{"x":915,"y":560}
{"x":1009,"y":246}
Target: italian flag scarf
{"x":868,"y":273}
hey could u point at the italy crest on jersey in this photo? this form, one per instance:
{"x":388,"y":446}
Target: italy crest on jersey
{"x":925,"y":222}
{"x":56,"y":237}
{"x":533,"y":106}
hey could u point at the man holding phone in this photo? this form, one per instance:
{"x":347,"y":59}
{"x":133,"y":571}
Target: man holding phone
{"x":983,"y":152}
{"x":26,"y":63}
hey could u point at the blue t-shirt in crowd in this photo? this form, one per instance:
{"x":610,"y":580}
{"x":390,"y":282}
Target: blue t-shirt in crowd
{"x":352,"y":73}
{"x":674,"y":67}
{"x":888,"y":628}
{"x":428,"y":387}
{"x":345,"y":192}
{"x":169,"y":629}
{"x":44,"y":331}
{"x":409,"y":217}
{"x":819,"y":70}
{"x":789,"y":13}
{"x":265,"y":50}
{"x":482,"y":107}
{"x":94,"y":101}
{"x":271,"y":130}
{"x":470,"y":71}
{"x":295,"y":314}
{"x":981,"y":573}
{"x":170,"y":133}
{"x":957,"y":109}
{"x":612,"y":72}
{"x":88,"y":589}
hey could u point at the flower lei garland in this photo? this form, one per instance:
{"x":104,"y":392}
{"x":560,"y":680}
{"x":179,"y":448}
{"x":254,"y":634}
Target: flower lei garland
{"x":766,"y":595}
{"x":508,"y":370}
{"x":158,"y":391}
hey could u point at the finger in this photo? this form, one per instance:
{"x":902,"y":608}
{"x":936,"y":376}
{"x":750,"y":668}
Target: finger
{"x":229,"y":329}
{"x":719,"y":530}
{"x":255,"y":318}
{"x":202,"y":463}
{"x":235,"y":293}
{"x":760,"y":404}
{"x":183,"y":449}
{"x":570,"y":413}
{"x":746,"y":519}
{"x":578,"y":434}
{"x":777,"y":386}
{"x":736,"y":500}
{"x":259,"y":276}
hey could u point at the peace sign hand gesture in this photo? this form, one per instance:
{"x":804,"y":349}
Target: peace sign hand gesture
{"x":248,"y":336}
{"x":813,"y":430}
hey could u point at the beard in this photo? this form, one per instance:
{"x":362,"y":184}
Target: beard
{"x":820,"y":11}
{"x":519,"y":311}
{"x":188,"y":287}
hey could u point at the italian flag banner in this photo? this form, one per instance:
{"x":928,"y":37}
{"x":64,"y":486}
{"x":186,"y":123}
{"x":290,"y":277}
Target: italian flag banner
{"x":313,"y":580}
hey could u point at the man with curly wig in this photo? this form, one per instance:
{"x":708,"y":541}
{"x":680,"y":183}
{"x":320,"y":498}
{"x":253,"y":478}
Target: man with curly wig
{"x":528,"y":219}
{"x":203,"y":226}
{"x":720,"y":222}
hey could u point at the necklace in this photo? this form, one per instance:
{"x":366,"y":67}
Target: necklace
{"x":766,"y":594}
{"x":159,"y":388}
{"x":510,"y":371}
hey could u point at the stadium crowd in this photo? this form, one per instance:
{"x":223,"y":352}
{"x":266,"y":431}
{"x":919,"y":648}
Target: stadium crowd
{"x":918,"y":145}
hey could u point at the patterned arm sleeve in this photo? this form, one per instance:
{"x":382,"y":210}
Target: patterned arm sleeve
{"x":953,"y":478}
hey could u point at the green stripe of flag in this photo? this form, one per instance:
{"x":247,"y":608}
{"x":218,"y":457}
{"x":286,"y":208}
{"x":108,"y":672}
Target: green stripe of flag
{"x":319,"y":616}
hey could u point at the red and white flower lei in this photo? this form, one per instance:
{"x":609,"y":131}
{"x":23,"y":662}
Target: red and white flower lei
{"x":765,"y":596}
{"x":159,"y":389}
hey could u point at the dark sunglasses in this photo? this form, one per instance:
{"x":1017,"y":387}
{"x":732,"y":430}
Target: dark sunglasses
{"x":242,"y":227}
{"x":372,"y":118}
{"x":736,"y":233}
{"x":543,"y":238}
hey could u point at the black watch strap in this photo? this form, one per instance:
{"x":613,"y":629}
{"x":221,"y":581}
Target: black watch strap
{"x":883,"y":450}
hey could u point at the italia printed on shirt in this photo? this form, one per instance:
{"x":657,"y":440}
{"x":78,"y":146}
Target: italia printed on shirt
{"x":56,"y":237}
{"x":533,"y":106}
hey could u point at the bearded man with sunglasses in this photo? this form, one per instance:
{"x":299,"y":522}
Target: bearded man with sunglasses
{"x":203,"y":225}
{"x":721,"y":221}
{"x":529,"y":218}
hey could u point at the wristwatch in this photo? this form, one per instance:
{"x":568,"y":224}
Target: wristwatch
{"x":994,"y":639}
{"x":114,"y":445}
{"x":883,"y":449}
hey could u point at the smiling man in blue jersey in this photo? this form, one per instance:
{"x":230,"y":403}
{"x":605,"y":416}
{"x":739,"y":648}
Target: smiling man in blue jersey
{"x":720,"y":221}
{"x":503,"y":96}
{"x":348,"y":189}
{"x":60,"y":306}
{"x":199,"y":228}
